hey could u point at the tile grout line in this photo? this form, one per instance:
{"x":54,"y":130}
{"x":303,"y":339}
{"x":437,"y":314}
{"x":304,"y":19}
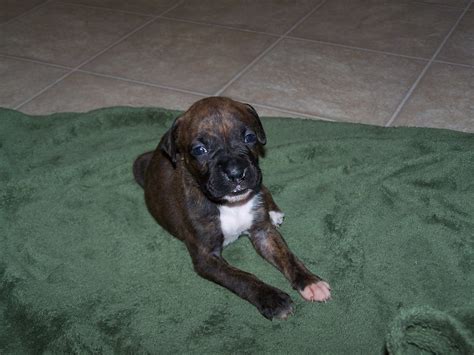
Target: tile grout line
{"x":65,"y":2}
{"x":229,"y":27}
{"x":261,"y":55}
{"x":296,"y":113}
{"x":33,"y":9}
{"x":21,"y":59}
{"x":445,"y":6}
{"x":362,"y":49}
{"x":425,"y":69}
{"x":145,"y":83}
{"x":76,"y":68}
{"x":454,"y":64}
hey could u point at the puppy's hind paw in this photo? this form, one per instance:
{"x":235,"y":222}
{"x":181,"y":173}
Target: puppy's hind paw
{"x":276,"y":217}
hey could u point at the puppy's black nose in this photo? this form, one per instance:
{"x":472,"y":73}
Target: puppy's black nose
{"x":235,"y":170}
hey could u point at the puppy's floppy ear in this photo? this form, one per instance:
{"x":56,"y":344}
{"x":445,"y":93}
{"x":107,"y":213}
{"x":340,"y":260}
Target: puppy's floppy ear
{"x":168,"y":142}
{"x":259,"y":128}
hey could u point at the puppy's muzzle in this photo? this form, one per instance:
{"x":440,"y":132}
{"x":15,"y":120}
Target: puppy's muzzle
{"x":235,"y":170}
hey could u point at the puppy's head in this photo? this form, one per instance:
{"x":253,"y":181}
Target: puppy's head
{"x":219,"y":141}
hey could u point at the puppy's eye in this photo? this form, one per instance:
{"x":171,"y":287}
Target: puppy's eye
{"x":199,"y":150}
{"x":250,"y":138}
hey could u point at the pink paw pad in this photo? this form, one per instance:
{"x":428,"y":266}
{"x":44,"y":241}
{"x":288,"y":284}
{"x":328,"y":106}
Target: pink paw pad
{"x":319,"y":292}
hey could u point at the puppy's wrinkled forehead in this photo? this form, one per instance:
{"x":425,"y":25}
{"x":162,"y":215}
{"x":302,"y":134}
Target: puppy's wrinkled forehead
{"x":221,"y":116}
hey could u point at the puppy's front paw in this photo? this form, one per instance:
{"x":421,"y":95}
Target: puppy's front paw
{"x":319,"y":292}
{"x":274,"y":303}
{"x":276,"y":217}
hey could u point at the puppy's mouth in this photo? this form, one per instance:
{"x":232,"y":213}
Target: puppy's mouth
{"x":239,"y":189}
{"x":238,"y":194}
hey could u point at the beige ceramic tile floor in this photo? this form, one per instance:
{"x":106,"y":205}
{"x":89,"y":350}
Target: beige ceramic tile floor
{"x":383,"y":62}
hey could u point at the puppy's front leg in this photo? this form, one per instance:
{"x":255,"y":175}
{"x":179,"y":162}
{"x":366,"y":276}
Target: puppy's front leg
{"x":271,"y":246}
{"x":270,"y":301}
{"x":276,"y":215}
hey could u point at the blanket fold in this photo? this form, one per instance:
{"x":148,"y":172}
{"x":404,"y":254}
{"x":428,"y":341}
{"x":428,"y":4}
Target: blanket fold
{"x":424,"y":329}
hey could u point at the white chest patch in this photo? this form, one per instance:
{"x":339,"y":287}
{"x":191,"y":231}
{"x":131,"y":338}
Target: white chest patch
{"x":237,"y":220}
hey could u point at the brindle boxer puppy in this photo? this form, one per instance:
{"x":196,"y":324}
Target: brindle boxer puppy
{"x":204,"y":186}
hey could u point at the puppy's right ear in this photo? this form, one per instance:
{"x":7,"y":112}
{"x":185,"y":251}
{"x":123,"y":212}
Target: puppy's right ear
{"x":168,"y":142}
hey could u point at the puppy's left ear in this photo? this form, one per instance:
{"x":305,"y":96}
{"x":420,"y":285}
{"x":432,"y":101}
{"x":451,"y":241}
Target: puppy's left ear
{"x":258,"y":126}
{"x":168,"y":142}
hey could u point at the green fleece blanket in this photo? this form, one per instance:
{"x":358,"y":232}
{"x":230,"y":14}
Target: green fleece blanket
{"x":385,"y":215}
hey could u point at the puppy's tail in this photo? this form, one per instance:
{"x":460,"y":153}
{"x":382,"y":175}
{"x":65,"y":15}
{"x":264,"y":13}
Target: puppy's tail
{"x":139,"y":167}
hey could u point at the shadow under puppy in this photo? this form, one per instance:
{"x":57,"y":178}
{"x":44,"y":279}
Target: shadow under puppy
{"x":204,"y":186}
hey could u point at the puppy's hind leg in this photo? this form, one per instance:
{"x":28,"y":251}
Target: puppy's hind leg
{"x":139,"y":167}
